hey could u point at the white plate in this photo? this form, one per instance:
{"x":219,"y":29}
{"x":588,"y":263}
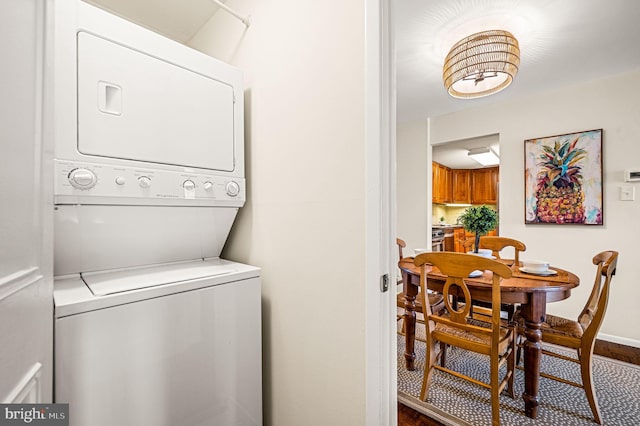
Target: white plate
{"x":476,"y":273}
{"x":543,"y":273}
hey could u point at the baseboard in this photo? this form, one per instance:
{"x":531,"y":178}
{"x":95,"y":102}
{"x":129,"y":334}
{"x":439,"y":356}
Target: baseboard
{"x":619,"y":340}
{"x":430,"y":411}
{"x":620,"y":351}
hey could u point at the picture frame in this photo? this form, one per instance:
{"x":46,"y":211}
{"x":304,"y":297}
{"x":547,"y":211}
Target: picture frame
{"x":563,"y":179}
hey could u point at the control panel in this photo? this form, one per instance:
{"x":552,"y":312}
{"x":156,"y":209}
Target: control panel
{"x":90,"y":183}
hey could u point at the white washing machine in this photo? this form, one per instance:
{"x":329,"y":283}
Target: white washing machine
{"x":151,"y":326}
{"x":175,"y":344}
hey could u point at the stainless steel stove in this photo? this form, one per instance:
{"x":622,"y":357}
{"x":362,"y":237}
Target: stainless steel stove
{"x":437,"y":239}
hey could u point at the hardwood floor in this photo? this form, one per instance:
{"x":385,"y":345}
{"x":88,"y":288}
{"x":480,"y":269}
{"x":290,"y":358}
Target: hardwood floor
{"x":410,"y":417}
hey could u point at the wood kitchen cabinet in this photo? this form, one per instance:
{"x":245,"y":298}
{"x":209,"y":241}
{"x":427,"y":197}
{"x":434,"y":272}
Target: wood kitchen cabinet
{"x":484,"y":186}
{"x":464,"y":186}
{"x":446,"y":185}
{"x":458,"y":240}
{"x":441,"y":183}
{"x":461,"y":186}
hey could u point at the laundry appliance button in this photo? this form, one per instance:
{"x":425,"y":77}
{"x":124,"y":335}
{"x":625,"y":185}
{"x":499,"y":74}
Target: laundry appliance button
{"x":189,"y":185}
{"x":82,"y":178}
{"x":232,"y":188}
{"x":208,"y":186}
{"x":144,"y":181}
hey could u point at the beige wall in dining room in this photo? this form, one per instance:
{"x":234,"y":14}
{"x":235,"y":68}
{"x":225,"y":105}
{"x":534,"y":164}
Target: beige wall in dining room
{"x":304,"y":220}
{"x":413,"y":179}
{"x":610,"y":104}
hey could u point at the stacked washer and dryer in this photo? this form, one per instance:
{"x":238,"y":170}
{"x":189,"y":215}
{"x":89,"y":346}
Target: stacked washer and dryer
{"x":151,"y":326}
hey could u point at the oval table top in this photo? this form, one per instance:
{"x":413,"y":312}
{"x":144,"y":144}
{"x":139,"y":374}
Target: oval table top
{"x":557,"y":287}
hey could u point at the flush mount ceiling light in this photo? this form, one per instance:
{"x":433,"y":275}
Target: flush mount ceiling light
{"x":481,"y":64}
{"x":485,"y":156}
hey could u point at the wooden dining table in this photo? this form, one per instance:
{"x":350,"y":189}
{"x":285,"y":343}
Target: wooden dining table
{"x":532,"y":292}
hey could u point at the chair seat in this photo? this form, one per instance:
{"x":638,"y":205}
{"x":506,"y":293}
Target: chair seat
{"x":562,"y":326}
{"x":555,"y":325}
{"x":441,"y":331}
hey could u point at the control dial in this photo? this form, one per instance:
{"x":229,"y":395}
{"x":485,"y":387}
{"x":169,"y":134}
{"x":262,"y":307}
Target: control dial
{"x":189,"y":185}
{"x":208,"y":186}
{"x":82,"y":178}
{"x":144,"y":181}
{"x":232,"y":188}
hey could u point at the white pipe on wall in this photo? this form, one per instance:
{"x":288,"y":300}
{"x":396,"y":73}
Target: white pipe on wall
{"x":246,"y":21}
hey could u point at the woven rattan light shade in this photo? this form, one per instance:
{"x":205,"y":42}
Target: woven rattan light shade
{"x":481,"y":64}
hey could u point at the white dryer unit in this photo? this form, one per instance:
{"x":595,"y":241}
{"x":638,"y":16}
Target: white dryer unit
{"x":123,"y":93}
{"x":150,"y":127}
{"x":152,"y":327}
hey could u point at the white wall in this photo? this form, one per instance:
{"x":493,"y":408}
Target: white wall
{"x":304,"y":222}
{"x":610,"y":104}
{"x":413,"y":180}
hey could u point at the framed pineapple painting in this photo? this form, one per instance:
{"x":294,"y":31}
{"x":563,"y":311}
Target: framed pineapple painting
{"x":563,"y":179}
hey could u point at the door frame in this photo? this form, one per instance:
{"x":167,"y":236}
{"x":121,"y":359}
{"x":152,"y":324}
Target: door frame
{"x":381,"y":344}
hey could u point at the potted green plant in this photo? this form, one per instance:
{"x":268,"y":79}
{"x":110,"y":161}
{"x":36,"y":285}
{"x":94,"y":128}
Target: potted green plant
{"x":479,"y":220}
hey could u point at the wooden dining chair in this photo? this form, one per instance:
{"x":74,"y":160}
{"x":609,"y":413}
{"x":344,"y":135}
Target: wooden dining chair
{"x":435,"y":300}
{"x":496,"y":245}
{"x":581,"y":334}
{"x":401,"y":246}
{"x":457,"y":328}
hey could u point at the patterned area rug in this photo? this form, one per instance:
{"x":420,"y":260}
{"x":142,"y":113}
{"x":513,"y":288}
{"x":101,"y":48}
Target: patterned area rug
{"x":454,"y":401}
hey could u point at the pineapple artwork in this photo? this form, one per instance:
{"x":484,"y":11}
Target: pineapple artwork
{"x":559,"y":190}
{"x":564,"y":179}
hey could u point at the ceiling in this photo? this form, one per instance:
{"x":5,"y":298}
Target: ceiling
{"x":455,"y":154}
{"x":562,"y":42}
{"x":179,"y":20}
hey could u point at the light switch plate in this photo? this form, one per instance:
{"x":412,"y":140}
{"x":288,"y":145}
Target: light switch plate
{"x":627,"y":193}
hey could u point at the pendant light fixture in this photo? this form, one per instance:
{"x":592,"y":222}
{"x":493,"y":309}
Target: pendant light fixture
{"x":481,"y":64}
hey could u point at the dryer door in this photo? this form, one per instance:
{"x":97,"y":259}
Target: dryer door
{"x":137,"y":107}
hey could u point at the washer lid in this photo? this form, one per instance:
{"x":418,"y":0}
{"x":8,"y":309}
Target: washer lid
{"x":109,"y":282}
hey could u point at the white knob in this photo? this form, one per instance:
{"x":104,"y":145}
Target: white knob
{"x":232,"y":188}
{"x":82,"y":178}
{"x":120,"y":180}
{"x":208,"y":186}
{"x":144,"y":181}
{"x":189,"y":185}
